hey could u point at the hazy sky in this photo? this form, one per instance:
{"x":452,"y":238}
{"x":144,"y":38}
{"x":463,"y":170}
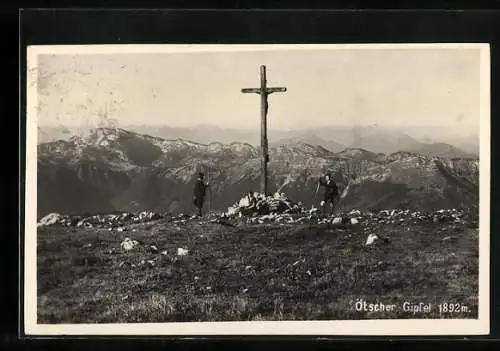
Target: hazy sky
{"x":325,"y":87}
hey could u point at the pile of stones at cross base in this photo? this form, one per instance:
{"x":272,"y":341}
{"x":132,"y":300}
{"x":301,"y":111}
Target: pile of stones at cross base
{"x":256,"y":208}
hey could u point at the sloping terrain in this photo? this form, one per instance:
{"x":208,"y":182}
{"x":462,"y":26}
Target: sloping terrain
{"x":117,"y":170}
{"x":381,"y":141}
{"x":198,"y":270}
{"x":441,"y":150}
{"x":310,"y":139}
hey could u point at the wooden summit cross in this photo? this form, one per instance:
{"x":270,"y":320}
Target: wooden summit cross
{"x":264,"y":92}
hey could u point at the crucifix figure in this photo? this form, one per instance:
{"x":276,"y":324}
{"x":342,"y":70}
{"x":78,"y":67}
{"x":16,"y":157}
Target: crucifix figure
{"x":264,"y":92}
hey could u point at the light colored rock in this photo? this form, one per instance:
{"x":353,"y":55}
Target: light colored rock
{"x":182,"y":252}
{"x":50,"y":219}
{"x":371,"y":239}
{"x":129,"y":244}
{"x":337,"y":220}
{"x":244,"y":202}
{"x":313,"y":210}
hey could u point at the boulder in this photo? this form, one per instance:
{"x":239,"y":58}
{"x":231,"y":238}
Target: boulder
{"x":371,"y":239}
{"x":259,"y":204}
{"x":51,"y":219}
{"x":128,"y":244}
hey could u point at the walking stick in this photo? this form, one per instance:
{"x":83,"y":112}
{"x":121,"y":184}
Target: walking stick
{"x":316,"y":192}
{"x":315,"y":195}
{"x":344,"y":193}
{"x":209,"y":194}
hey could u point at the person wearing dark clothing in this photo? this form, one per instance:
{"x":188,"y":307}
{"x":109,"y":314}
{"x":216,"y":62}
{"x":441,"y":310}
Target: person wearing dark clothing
{"x":331,"y":192}
{"x":251,"y":209}
{"x":200,"y":190}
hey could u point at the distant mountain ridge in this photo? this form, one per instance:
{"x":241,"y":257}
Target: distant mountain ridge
{"x":441,"y":150}
{"x":335,"y":139}
{"x":112,"y":169}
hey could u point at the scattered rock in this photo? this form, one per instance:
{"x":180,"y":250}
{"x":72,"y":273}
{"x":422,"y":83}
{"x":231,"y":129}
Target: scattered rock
{"x":299,"y":261}
{"x":259,"y":204}
{"x":371,"y":239}
{"x":182,"y":252}
{"x":102,"y":220}
{"x":129,"y":244}
{"x":355,"y":213}
{"x":51,"y":219}
{"x":337,"y":220}
{"x":279,"y":209}
{"x":313,"y":210}
{"x":301,"y":215}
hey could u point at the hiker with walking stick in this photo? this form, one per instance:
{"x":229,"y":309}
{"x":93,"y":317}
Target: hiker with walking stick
{"x":209,"y":195}
{"x":200,"y":188}
{"x":331,"y":192}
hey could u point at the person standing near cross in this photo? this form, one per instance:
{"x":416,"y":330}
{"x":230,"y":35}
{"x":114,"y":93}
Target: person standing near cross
{"x":264,"y":92}
{"x":200,"y":188}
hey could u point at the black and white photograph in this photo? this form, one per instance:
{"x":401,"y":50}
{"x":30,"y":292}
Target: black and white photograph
{"x":258,"y":189}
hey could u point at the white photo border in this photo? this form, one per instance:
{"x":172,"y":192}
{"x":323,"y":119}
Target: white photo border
{"x":379,"y":327}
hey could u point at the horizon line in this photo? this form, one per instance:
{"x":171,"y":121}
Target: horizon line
{"x":248,"y":128}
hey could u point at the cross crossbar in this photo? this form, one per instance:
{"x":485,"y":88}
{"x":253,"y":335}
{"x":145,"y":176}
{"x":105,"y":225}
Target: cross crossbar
{"x":267,"y":90}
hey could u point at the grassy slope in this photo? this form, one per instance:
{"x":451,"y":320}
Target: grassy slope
{"x":81,"y":284}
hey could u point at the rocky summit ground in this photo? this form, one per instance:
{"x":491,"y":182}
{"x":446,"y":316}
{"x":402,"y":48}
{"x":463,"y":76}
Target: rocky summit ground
{"x":124,"y":268}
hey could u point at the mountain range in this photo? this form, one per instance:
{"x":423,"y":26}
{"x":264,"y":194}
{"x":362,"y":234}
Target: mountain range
{"x":113,"y":169}
{"x":377,"y":139}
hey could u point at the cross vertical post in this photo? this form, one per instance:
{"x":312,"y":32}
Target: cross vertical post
{"x":264,"y":92}
{"x":263,"y":129}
